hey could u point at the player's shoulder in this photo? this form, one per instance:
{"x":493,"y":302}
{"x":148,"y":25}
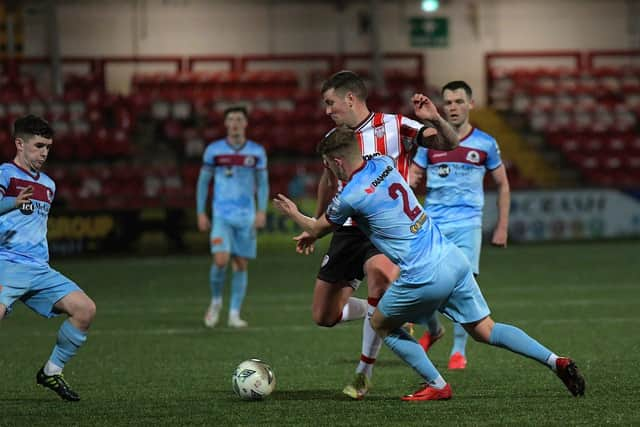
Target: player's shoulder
{"x":482,"y":137}
{"x":253,"y":145}
{"x":216,"y":143}
{"x":46,"y":179}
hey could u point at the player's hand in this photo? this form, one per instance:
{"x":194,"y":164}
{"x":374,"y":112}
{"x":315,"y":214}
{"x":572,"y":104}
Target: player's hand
{"x":499,"y":238}
{"x":24,"y":196}
{"x":203,"y":222}
{"x":305,"y":243}
{"x":285,"y":205}
{"x":261,"y":220}
{"x":423,"y":108}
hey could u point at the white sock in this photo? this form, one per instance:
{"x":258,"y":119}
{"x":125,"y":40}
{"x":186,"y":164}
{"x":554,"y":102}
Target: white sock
{"x":355,"y":308}
{"x":371,"y":344}
{"x":551,"y":361}
{"x":234,"y":314}
{"x":52,"y":369}
{"x":216,"y":301}
{"x":438,"y":383}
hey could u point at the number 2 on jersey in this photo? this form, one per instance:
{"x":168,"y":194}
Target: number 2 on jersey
{"x":397,"y":189}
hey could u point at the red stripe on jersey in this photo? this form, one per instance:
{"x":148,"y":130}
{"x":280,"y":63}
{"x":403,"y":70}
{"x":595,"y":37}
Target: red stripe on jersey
{"x":403,"y":161}
{"x":459,"y":155}
{"x":41,"y":192}
{"x":380,"y":133}
{"x":360,"y":141}
{"x":235,"y":160}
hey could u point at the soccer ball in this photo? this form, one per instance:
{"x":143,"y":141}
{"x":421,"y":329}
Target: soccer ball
{"x":253,"y":379}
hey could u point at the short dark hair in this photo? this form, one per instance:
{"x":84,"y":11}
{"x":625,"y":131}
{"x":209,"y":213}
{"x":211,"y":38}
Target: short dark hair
{"x":458,"y":84}
{"x":346,"y":81}
{"x":30,"y":126}
{"x":340,"y":140}
{"x":236,"y":109}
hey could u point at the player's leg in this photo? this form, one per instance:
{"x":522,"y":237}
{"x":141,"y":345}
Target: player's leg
{"x":239,"y":279}
{"x":243,"y":248}
{"x":467,"y":306}
{"x":3,"y":310}
{"x":52,"y":294}
{"x":380,"y":272}
{"x":398,"y":305}
{"x":329,"y":302}
{"x":517,"y":341}
{"x":220,"y":240}
{"x":469,"y":241}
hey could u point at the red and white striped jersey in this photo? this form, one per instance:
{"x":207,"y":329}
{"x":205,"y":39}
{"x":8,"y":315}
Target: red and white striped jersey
{"x":393,"y":135}
{"x":389,"y":134}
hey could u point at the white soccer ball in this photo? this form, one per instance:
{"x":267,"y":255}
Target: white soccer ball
{"x":253,"y":379}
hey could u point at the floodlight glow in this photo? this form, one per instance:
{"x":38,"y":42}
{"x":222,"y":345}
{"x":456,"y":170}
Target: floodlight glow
{"x":430,"y":5}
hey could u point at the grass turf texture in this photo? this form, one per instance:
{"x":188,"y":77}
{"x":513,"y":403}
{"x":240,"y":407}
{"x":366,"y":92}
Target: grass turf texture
{"x":149,"y":359}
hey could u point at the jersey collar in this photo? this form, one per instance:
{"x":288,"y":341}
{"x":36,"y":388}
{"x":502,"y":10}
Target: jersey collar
{"x":233,"y":147}
{"x":467,"y":135}
{"x":36,"y":176}
{"x":364,"y":122}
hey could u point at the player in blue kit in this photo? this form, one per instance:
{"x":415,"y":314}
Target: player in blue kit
{"x":238,"y":167}
{"x":434,"y":273}
{"x":26,"y":195}
{"x":455,"y":195}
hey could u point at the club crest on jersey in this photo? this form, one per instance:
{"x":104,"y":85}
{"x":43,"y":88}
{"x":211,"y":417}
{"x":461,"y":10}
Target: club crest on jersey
{"x":473,"y":156}
{"x":249,"y":161}
{"x":443,"y":170}
{"x":379,"y":131}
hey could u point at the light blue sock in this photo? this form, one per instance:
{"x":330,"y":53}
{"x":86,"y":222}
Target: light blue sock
{"x":408,"y":349}
{"x":516,"y":340}
{"x":459,"y":339}
{"x":238,"y":290}
{"x":69,"y":341}
{"x":433,"y":324}
{"x":216,"y":281}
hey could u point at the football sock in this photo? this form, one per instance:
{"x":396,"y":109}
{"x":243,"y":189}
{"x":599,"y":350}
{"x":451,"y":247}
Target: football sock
{"x":516,"y":340}
{"x":69,"y":341}
{"x":216,"y":281}
{"x":355,"y":308}
{"x":238,"y":289}
{"x":551,"y":361}
{"x":408,"y":349}
{"x":371,"y":342}
{"x":459,"y":339}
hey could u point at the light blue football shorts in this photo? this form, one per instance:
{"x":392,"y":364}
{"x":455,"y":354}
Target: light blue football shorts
{"x":454,"y":292}
{"x":234,"y":239}
{"x":469,"y":240}
{"x":38,"y":286}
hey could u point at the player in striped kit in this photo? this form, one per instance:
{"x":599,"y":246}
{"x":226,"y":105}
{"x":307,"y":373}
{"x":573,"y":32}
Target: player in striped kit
{"x":238,"y":167}
{"x":455,"y":195}
{"x":434,"y":273}
{"x":351,"y":255}
{"x":26,"y":195}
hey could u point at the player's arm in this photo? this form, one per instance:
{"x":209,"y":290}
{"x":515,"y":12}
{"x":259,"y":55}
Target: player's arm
{"x":315,"y":227}
{"x":327,"y":188}
{"x":202,"y":191}
{"x":416,"y":176}
{"x":436,"y":133}
{"x":262,"y":181}
{"x":8,"y":204}
{"x":500,"y":233}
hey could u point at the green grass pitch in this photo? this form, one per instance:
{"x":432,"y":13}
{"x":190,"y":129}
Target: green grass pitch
{"x":150,"y":361}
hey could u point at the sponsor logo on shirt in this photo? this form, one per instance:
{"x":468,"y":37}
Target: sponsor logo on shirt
{"x":416,"y":226}
{"x":378,"y":180}
{"x":444,"y":170}
{"x":27,"y":208}
{"x":216,"y":241}
{"x":371,"y":156}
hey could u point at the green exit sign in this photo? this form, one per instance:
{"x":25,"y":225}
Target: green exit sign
{"x":429,"y":32}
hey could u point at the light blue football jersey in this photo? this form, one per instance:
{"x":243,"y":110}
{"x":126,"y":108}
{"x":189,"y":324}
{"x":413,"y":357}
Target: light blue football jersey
{"x":23,"y":231}
{"x":455,"y":194}
{"x":384,"y":207}
{"x":235,"y":183}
